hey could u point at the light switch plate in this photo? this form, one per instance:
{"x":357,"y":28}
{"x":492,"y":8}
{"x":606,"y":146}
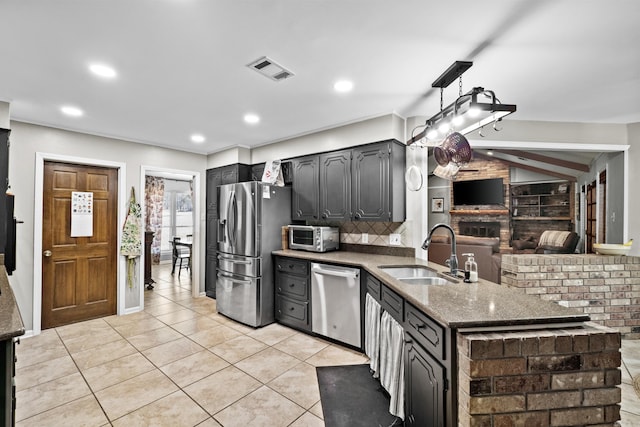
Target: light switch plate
{"x":395,"y":239}
{"x":364,"y":237}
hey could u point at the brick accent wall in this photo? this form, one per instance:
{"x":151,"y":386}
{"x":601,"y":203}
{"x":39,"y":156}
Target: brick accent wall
{"x":563,"y":377}
{"x":480,"y":168}
{"x":605,"y":287}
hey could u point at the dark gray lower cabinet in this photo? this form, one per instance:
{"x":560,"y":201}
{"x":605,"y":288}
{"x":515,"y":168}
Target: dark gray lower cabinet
{"x":425,"y":387}
{"x":430,"y":392}
{"x":292,"y":284}
{"x":7,"y":388}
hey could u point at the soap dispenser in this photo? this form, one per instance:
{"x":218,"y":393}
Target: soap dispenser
{"x":470,"y":269}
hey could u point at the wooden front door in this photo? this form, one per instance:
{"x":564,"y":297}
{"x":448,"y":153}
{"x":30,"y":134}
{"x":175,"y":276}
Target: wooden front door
{"x":79,"y":274}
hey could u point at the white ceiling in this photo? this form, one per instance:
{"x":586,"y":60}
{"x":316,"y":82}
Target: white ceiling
{"x":182,"y":63}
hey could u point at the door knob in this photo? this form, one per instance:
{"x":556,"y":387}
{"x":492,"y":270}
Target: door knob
{"x":47,"y":253}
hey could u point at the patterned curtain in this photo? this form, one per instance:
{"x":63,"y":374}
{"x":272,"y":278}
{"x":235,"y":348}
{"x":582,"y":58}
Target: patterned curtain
{"x":154,"y":198}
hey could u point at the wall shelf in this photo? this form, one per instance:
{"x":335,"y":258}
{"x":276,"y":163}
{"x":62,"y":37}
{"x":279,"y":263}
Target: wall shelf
{"x":536,"y":207}
{"x":479,"y":212}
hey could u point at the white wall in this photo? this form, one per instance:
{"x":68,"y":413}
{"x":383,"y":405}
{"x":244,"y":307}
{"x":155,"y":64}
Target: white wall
{"x":27,"y":140}
{"x":380,"y":128}
{"x":229,"y":157}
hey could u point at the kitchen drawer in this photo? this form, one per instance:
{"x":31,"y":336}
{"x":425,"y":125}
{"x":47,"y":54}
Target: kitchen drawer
{"x":293,"y":313}
{"x":292,"y":266}
{"x":426,"y":331}
{"x":393,"y":303}
{"x":293,"y":286}
{"x":373,"y":287}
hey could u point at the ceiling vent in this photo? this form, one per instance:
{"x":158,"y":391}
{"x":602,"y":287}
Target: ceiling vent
{"x":268,"y":68}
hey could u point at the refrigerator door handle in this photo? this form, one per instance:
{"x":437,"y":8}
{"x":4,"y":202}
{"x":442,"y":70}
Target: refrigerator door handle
{"x":221,"y":230}
{"x":232,"y":215}
{"x":233,"y":261}
{"x":231,"y":279}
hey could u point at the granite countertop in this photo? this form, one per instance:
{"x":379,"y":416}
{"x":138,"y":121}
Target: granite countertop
{"x":460,"y":305}
{"x":10,"y":320}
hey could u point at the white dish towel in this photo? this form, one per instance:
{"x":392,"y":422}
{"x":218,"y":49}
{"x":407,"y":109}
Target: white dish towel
{"x":372,"y":333}
{"x":392,"y":362}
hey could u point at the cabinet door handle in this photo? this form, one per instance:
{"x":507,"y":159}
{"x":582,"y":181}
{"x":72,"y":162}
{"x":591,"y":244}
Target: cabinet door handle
{"x":421,"y":326}
{"x":408,"y":341}
{"x":291,"y":308}
{"x":291,"y":285}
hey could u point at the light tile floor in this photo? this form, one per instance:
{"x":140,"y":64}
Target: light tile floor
{"x":179,"y":363}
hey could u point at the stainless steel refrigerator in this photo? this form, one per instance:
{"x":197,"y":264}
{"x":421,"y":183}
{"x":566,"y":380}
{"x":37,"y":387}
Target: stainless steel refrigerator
{"x":251,"y":216}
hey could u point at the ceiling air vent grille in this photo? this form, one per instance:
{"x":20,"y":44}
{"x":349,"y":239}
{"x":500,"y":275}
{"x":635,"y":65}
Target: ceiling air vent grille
{"x":269,"y":68}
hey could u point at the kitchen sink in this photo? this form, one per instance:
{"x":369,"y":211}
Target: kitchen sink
{"x":425,"y":281}
{"x":415,"y":275}
{"x":409,"y":271}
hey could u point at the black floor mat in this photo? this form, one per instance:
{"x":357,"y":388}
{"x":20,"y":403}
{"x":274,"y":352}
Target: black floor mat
{"x":351,"y":397}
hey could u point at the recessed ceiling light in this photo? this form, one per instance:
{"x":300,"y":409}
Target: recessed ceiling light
{"x":251,"y":118}
{"x":197,"y":138}
{"x":72,"y":111}
{"x":343,"y":86}
{"x":103,"y":70}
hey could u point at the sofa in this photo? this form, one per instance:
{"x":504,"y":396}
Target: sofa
{"x":485,"y":250}
{"x":549,"y":242}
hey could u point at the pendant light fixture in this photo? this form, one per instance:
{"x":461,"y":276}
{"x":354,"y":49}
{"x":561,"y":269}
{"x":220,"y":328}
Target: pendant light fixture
{"x":469,"y":112}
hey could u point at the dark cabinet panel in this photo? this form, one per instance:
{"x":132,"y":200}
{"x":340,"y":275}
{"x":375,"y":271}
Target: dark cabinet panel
{"x":7,"y":387}
{"x":335,"y":185}
{"x":427,"y":332}
{"x":393,"y":303}
{"x":257,"y":171}
{"x":292,"y":288}
{"x":217,"y":176}
{"x":305,"y":195}
{"x":371,"y":183}
{"x":373,"y":286}
{"x":365,"y":183}
{"x":4,"y":183}
{"x":378,"y":184}
{"x":425,"y":388}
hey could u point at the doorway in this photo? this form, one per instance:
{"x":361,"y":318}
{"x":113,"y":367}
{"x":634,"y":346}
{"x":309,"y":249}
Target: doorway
{"x":79,"y":242}
{"x":175,"y":194}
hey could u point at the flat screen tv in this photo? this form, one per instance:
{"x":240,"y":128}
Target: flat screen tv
{"x":478,"y":192}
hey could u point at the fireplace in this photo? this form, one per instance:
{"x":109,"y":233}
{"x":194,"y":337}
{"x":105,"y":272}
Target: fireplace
{"x":479,"y":228}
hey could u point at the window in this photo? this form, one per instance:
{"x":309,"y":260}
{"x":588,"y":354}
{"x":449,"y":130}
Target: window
{"x":177,"y":214}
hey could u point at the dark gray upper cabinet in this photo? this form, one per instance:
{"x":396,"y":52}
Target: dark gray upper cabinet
{"x":305,"y":194}
{"x":4,"y":185}
{"x":378,"y":182}
{"x":365,"y":183}
{"x":335,"y":185}
{"x":257,"y":171}
{"x":217,"y":176}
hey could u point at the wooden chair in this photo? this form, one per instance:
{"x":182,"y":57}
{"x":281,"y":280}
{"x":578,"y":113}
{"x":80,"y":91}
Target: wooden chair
{"x":180,"y":253}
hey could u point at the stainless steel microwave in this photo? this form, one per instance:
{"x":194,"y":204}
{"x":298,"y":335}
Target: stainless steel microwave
{"x":313,"y":238}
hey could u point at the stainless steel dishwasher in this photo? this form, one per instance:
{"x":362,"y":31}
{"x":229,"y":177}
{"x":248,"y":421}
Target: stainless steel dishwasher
{"x":335,"y":303}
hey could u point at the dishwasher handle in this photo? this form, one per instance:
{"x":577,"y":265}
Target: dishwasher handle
{"x":322,"y":271}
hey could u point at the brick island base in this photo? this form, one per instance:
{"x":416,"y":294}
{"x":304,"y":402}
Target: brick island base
{"x":603,"y":286}
{"x":562,"y":377}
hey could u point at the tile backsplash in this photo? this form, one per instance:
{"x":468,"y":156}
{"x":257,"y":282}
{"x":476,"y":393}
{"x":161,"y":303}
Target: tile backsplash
{"x":378,"y":233}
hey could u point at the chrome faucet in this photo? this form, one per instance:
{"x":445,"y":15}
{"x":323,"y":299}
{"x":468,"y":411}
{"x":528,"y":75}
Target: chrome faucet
{"x":453,"y":259}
